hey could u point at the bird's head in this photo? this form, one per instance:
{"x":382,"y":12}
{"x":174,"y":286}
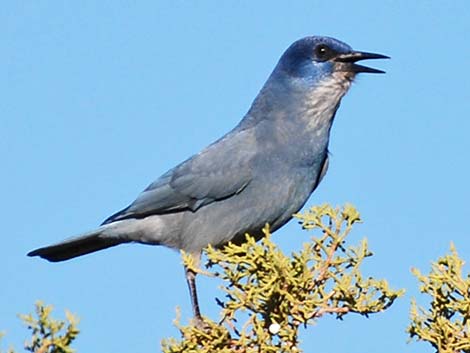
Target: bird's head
{"x":315,"y":59}
{"x":308,"y":82}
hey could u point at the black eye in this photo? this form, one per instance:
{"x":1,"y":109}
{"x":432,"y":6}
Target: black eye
{"x":323,"y":52}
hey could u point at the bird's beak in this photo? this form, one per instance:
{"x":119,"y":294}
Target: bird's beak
{"x":347,"y":62}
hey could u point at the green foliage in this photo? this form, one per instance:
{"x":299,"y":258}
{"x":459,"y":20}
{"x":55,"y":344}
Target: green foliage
{"x":49,"y":335}
{"x":446,"y":324}
{"x":269,"y":296}
{"x":278,"y":294}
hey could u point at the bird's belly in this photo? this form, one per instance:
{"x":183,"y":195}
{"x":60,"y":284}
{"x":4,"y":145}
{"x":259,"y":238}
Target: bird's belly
{"x":267,"y":201}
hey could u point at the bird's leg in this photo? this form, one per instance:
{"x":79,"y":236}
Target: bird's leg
{"x":191,"y":280}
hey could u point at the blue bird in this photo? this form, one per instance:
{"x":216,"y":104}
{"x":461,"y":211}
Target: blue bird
{"x":262,"y":171}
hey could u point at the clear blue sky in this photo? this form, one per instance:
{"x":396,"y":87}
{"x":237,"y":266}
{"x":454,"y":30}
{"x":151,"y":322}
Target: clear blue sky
{"x":100,"y":98}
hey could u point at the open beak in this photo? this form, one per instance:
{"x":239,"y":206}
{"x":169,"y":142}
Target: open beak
{"x":348,"y":62}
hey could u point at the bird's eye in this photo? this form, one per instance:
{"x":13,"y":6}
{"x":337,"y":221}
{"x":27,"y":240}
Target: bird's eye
{"x":323,"y":52}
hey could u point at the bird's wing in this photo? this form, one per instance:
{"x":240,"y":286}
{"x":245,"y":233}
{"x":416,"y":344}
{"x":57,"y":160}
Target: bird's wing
{"x":221,"y":170}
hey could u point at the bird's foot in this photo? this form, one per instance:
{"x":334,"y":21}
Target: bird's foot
{"x":200,"y":324}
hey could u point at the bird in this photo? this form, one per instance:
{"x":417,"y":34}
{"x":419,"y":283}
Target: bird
{"x":261,"y":172}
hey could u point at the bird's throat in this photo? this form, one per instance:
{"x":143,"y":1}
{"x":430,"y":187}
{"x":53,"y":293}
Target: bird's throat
{"x":319,"y":105}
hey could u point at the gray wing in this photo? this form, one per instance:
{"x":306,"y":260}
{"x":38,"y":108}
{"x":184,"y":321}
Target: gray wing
{"x":221,"y":170}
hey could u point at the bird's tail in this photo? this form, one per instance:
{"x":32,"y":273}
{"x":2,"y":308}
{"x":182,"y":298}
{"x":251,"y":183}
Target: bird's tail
{"x":77,"y":246}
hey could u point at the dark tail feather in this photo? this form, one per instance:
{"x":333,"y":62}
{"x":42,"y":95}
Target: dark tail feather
{"x":77,"y":246}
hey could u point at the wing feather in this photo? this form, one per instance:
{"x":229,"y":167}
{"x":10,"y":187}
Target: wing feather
{"x":220,"y":171}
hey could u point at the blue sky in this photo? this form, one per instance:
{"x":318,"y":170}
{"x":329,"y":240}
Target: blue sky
{"x":100,"y":98}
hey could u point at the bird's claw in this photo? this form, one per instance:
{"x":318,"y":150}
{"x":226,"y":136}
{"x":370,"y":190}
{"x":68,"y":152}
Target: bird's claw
{"x":200,"y":324}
